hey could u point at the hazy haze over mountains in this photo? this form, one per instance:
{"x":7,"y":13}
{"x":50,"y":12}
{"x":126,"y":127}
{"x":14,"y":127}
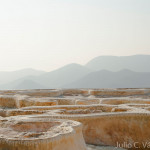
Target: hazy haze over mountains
{"x":62,"y":76}
{"x":100,"y":72}
{"x":8,"y":76}
{"x":107,"y":79}
{"x":139,"y":63}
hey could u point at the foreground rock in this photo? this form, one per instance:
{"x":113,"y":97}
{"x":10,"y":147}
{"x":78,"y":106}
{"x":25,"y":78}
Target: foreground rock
{"x":40,"y":134}
{"x":51,"y":119}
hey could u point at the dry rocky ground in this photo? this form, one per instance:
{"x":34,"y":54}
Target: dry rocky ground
{"x":71,"y":118}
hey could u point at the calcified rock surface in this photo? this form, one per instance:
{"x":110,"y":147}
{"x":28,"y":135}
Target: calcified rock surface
{"x":38,"y":134}
{"x":66,"y":119}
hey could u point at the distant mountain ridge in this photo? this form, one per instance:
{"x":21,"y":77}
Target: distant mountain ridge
{"x":107,"y":79}
{"x":53,"y":79}
{"x":100,"y":72}
{"x":9,"y":76}
{"x":137,"y":63}
{"x":28,"y":84}
{"x":61,"y":76}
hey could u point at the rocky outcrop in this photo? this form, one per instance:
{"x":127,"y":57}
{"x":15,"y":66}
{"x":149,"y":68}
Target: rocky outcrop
{"x":39,"y":134}
{"x":63,"y":119}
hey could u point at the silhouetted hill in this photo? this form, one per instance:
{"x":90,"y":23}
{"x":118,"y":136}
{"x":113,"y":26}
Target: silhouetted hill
{"x":22,"y":83}
{"x":101,"y":72}
{"x":61,"y":76}
{"x":54,"y":79}
{"x":29,"y":84}
{"x":9,"y":76}
{"x":139,"y":63}
{"x":107,"y":79}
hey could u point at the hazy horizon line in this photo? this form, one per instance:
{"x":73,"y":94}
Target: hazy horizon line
{"x":30,"y":68}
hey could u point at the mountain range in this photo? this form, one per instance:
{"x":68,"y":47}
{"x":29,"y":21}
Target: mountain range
{"x":100,"y":72}
{"x":137,"y":63}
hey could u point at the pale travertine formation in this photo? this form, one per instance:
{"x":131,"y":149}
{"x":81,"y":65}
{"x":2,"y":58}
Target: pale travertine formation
{"x":66,"y":119}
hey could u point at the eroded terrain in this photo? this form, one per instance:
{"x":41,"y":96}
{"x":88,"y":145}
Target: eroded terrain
{"x":68,"y":119}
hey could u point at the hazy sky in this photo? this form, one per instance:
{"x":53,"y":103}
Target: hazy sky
{"x":47,"y":34}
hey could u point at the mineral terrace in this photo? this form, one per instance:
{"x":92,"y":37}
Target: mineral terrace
{"x":75,"y":119}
